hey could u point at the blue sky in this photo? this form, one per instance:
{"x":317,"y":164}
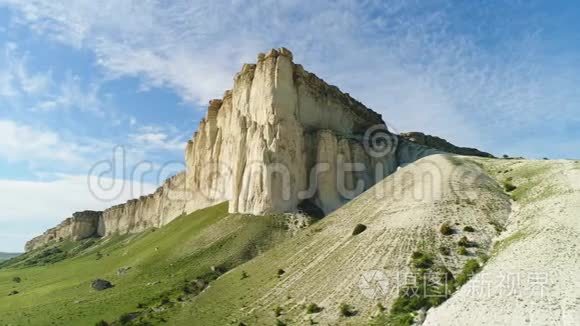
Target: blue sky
{"x":80,"y":78}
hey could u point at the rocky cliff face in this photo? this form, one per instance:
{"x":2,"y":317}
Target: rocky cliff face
{"x":155,"y":210}
{"x":258,"y":145}
{"x":280,"y":140}
{"x":441,"y":144}
{"x":80,"y":226}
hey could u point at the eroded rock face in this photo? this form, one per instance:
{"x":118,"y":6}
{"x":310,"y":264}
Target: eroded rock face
{"x":155,"y":210}
{"x":441,"y":144}
{"x":80,"y":226}
{"x":259,"y":145}
{"x":280,"y":140}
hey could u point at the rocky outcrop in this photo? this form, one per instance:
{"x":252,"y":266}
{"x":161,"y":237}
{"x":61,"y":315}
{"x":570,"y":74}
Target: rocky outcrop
{"x":281,"y":140}
{"x":441,"y":144}
{"x":80,"y":226}
{"x":155,"y":210}
{"x":277,"y":138}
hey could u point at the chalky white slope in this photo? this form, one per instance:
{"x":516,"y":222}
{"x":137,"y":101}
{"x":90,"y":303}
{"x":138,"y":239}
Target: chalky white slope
{"x":533,"y":276}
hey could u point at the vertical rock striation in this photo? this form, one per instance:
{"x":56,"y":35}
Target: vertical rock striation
{"x":259,"y":145}
{"x":280,"y":140}
{"x":80,"y":226}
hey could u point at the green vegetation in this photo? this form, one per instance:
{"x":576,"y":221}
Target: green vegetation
{"x":424,"y":294}
{"x":444,"y":250}
{"x":358,"y":229}
{"x":346,"y":310}
{"x":471,"y":267}
{"x":5,"y":256}
{"x":422,"y":260}
{"x":508,"y":186}
{"x":313,"y":308}
{"x":446,"y":229}
{"x":468,"y":229}
{"x":187,"y":249}
{"x":464,"y":242}
{"x":462,"y":251}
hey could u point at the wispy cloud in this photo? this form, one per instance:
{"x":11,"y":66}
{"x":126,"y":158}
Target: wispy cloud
{"x":474,"y":73}
{"x":15,"y":77}
{"x":22,"y":88}
{"x":21,"y":142}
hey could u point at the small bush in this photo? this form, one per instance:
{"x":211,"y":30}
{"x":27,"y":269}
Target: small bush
{"x":468,"y":229}
{"x":346,"y":310}
{"x":509,"y":187}
{"x":464,"y":242}
{"x":280,"y":323}
{"x":102,"y":323}
{"x":313,"y":308}
{"x":422,"y":260}
{"x":244,"y":275}
{"x":358,"y":229}
{"x":446,"y":275}
{"x":446,"y":229}
{"x":444,"y":250}
{"x":281,"y":272}
{"x":125,"y":319}
{"x":462,"y":251}
{"x":469,"y":269}
{"x":380,"y":307}
{"x":278,"y":311}
{"x":16,"y":279}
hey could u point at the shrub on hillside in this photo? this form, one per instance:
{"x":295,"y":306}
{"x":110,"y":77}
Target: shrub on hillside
{"x":444,"y":250}
{"x":509,"y":187}
{"x":313,"y":308}
{"x":462,"y":251}
{"x":468,"y":229}
{"x":16,"y":279}
{"x":469,"y":269}
{"x":464,"y":242}
{"x":358,"y":229}
{"x":346,"y":310}
{"x":446,"y":229}
{"x":422,"y":260}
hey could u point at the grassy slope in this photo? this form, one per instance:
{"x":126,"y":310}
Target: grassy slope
{"x":324,"y":264}
{"x":7,"y":255}
{"x":60,"y":293}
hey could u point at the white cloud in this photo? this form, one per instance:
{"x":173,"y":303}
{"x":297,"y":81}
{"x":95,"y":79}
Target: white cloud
{"x":15,"y":77}
{"x":156,"y":141}
{"x":23,"y":89}
{"x":20,"y":142}
{"x":420,"y":64}
{"x":70,"y":95}
{"x":57,"y":199}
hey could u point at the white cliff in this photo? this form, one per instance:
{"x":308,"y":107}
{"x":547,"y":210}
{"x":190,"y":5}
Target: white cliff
{"x":279,"y":140}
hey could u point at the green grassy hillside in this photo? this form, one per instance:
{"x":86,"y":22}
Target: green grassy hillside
{"x":7,"y":255}
{"x":53,"y":284}
{"x":321,"y":276}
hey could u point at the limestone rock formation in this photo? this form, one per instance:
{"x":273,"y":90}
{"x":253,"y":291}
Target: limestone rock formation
{"x":154,"y":210}
{"x":80,"y":226}
{"x":258,"y":145}
{"x":280,"y":140}
{"x":441,"y":144}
